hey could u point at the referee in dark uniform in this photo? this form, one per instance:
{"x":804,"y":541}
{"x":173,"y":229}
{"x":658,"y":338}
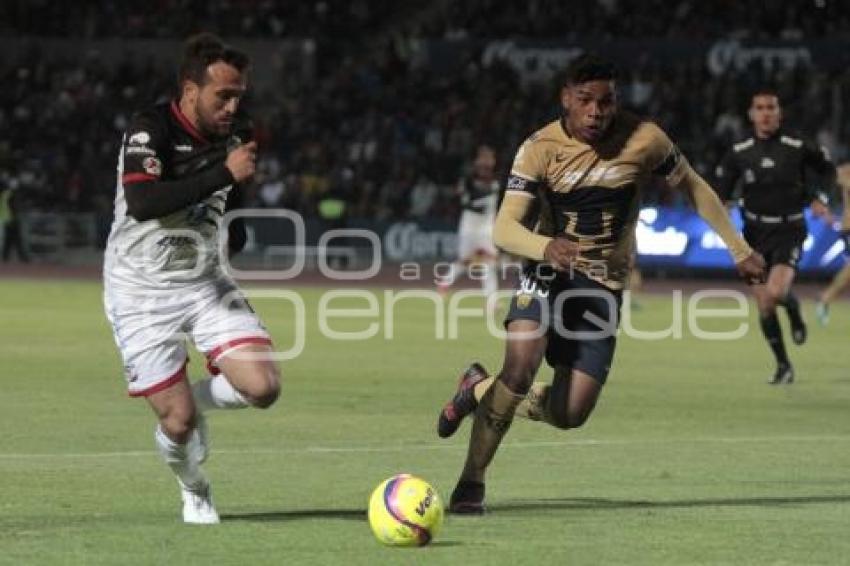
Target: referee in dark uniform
{"x":781,"y":174}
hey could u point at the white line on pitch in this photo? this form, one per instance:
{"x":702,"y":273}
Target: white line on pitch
{"x":445,"y":446}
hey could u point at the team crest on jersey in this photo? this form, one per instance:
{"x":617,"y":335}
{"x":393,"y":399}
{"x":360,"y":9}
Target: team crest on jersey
{"x":767,"y":163}
{"x":749,"y":176}
{"x":523,"y":300}
{"x":139,"y":138}
{"x":152,"y":166}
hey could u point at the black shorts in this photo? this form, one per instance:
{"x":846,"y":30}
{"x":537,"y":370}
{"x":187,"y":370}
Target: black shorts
{"x":780,"y":243}
{"x":579,"y":316}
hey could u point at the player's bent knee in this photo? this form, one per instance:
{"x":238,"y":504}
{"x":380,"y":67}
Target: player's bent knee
{"x":178,"y":424}
{"x":566,"y":420}
{"x":268,"y":397}
{"x":266,"y":387}
{"x":776,"y":294}
{"x":518,"y":380}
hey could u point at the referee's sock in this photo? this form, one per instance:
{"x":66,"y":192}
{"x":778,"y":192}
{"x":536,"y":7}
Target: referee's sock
{"x":792,"y":305}
{"x":798,"y":327}
{"x":773,"y":334}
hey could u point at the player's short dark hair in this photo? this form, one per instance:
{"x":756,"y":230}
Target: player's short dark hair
{"x":589,"y":67}
{"x":765,"y":90}
{"x":201,"y":51}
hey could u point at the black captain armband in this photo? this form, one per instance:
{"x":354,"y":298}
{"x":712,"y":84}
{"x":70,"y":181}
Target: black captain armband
{"x":669,"y":163}
{"x":523,"y":185}
{"x":147,"y":200}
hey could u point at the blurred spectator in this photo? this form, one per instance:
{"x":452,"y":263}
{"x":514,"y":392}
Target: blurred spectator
{"x":13,"y":239}
{"x":422,"y":196}
{"x":375,"y":115}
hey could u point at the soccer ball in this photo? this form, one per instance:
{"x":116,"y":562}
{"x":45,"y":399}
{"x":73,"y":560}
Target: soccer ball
{"x":405,"y":510}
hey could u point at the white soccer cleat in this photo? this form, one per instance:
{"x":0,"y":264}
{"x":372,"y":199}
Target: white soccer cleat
{"x":198,"y":508}
{"x":199,"y":443}
{"x":822,"y":312}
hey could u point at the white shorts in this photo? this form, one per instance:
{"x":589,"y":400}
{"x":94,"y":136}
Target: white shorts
{"x":475,"y":236}
{"x":152,"y":332}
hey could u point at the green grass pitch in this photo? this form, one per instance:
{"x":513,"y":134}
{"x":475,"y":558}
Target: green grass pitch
{"x":690,"y":457}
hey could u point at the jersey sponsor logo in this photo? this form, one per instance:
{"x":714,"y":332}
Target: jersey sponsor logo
{"x":767,"y":163}
{"x":139,"y":138}
{"x":152,"y":166}
{"x":143,"y":150}
{"x":183,"y":148}
{"x":595,"y":175}
{"x":175,"y":241}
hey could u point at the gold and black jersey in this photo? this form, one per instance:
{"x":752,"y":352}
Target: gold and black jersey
{"x":591,"y":195}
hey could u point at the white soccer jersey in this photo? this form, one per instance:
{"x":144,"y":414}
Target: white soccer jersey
{"x":180,"y":249}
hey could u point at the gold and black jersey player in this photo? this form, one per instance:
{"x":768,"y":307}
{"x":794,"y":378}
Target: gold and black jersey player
{"x":589,"y":194}
{"x":584,"y":173}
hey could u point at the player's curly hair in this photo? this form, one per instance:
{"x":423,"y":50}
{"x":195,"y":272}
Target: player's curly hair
{"x":204,"y":49}
{"x":589,"y":67}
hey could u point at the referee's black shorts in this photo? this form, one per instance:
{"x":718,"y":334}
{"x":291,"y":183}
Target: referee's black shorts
{"x":779,"y":243}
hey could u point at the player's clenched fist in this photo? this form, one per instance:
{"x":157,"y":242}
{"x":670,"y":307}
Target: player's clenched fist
{"x":560,"y":252}
{"x":752,"y":269}
{"x":242,"y":161}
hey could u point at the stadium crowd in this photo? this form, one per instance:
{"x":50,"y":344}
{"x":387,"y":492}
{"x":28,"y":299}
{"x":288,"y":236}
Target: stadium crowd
{"x":377,"y":128}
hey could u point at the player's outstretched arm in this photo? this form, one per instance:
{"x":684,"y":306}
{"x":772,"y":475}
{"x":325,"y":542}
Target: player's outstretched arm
{"x":750,"y":264}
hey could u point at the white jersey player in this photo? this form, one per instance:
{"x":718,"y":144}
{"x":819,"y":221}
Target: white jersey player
{"x":179,"y":166}
{"x":479,"y":195}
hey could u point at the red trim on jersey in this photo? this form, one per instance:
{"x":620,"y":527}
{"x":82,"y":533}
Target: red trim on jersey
{"x":184,"y":121}
{"x":130,"y":178}
{"x":216,"y":352}
{"x":162,"y":385}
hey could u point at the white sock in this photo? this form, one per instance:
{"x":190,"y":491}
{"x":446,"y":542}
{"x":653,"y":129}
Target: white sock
{"x":177,"y":457}
{"x":216,"y":392}
{"x":449,"y":278}
{"x":490,"y":283}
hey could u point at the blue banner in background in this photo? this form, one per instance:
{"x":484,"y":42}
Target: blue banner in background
{"x":679,"y":238}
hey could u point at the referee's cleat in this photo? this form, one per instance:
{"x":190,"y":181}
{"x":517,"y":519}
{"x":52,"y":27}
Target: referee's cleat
{"x":784,"y":375}
{"x":467,"y":498}
{"x":822,"y":313}
{"x":798,"y":330}
{"x":798,"y":326}
{"x":463,"y":402}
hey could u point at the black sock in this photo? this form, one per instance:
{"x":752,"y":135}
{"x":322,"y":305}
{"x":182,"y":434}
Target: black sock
{"x":792,"y":306}
{"x":773,"y":334}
